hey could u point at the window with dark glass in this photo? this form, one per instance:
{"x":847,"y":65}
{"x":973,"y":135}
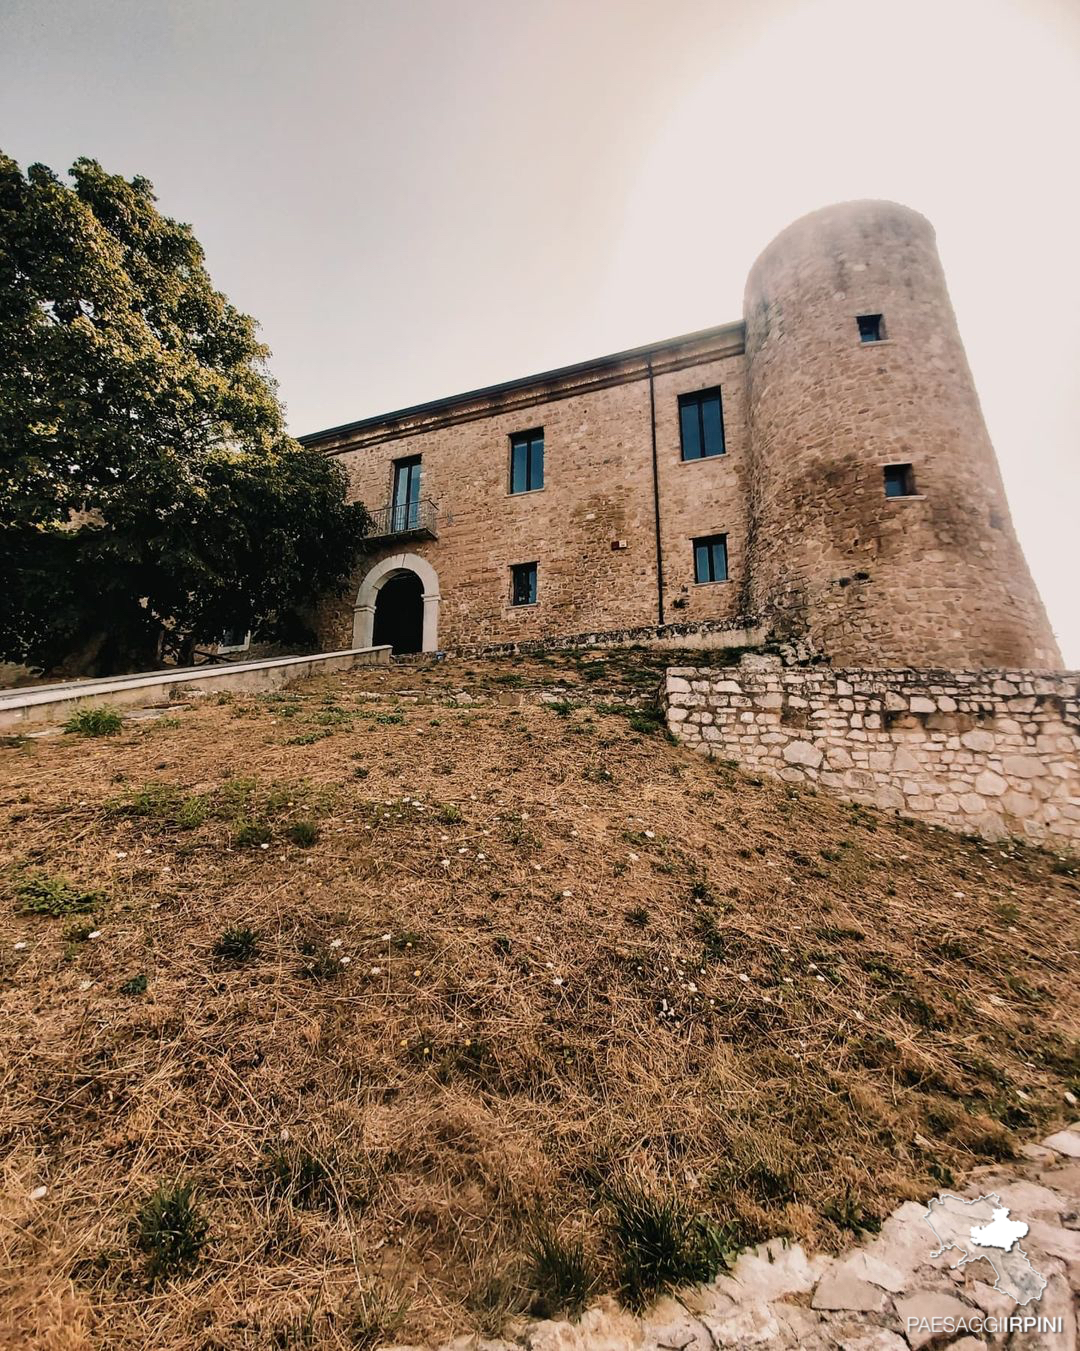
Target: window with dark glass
{"x":701,"y":424}
{"x":871,"y":327}
{"x":899,"y":480}
{"x":523,"y":584}
{"x":527,"y":461}
{"x":405,"y":510}
{"x":710,"y":559}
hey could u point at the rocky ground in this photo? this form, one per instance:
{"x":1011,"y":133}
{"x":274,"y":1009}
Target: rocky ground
{"x":888,"y":1293}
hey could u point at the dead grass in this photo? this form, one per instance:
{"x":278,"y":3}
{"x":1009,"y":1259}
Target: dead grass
{"x":510,"y":960}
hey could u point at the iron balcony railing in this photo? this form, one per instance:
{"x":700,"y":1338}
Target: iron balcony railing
{"x":419,"y":518}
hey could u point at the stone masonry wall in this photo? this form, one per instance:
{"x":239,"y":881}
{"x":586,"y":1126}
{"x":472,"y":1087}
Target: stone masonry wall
{"x":990,"y":752}
{"x":591,"y":529}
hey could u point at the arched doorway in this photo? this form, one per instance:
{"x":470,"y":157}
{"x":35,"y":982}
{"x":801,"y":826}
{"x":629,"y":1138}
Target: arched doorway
{"x":384,"y":576}
{"x":399,"y":613}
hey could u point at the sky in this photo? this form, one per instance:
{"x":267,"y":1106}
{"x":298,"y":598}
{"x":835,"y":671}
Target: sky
{"x":418,"y":197}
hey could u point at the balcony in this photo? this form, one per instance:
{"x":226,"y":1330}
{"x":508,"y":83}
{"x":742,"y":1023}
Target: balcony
{"x":405,"y":520}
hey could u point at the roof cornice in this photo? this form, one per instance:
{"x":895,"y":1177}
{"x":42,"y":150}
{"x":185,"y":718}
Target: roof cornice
{"x":690,"y":349}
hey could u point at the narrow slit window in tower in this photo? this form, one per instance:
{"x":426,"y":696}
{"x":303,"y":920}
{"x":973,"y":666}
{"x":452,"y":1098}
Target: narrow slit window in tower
{"x":871,"y":327}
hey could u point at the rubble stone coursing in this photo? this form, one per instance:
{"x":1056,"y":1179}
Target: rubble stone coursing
{"x":989,"y":752}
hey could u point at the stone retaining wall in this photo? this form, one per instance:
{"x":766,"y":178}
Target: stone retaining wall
{"x":991,"y":752}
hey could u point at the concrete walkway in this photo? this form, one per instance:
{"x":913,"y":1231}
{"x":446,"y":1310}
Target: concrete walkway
{"x":35,"y":706}
{"x":888,"y":1293}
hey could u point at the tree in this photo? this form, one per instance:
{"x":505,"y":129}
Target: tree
{"x":148,"y":492}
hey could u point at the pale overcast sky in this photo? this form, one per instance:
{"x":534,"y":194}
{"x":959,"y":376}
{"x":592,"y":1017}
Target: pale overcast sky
{"x":416,"y":197}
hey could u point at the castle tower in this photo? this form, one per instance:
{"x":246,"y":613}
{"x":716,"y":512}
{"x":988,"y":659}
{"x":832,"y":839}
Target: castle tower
{"x":879,"y":526}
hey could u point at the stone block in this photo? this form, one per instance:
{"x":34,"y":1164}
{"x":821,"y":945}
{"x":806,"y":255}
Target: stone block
{"x":990,"y":784}
{"x":802,"y":753}
{"x":1023,"y":766}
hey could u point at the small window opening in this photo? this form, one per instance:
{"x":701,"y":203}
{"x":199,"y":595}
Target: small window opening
{"x":527,"y":461}
{"x":701,"y":424}
{"x":871,"y":327}
{"x":899,"y":480}
{"x":523,"y":584}
{"x":710,"y":559}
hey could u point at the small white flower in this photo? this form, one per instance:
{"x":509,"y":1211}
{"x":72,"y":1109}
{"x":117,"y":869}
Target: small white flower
{"x":85,"y":984}
{"x":20,"y":945}
{"x":376,"y":970}
{"x":445,"y":862}
{"x":481,"y":857}
{"x":335,"y":942}
{"x":264,"y":846}
{"x":692,"y":987}
{"x":463,"y":850}
{"x":650,"y":834}
{"x":788,"y":980}
{"x":537,"y":867}
{"x":96,"y":933}
{"x":567,"y":894}
{"x":744,"y":978}
{"x":120,"y":853}
{"x":39,"y":1193}
{"x":821,"y":978}
{"x":632,"y":857}
{"x":386,"y":938}
{"x":345,"y":961}
{"x":558,"y":980}
{"x":813,"y":966}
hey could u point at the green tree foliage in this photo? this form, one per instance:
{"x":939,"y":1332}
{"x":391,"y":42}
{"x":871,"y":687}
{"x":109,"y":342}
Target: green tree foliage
{"x":148,"y":493}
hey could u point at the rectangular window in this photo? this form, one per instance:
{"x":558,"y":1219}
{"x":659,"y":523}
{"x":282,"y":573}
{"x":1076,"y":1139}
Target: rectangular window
{"x":527,"y":461}
{"x":701,"y":424}
{"x":710,"y":559}
{"x":899,"y":480}
{"x":523,"y":584}
{"x":871,"y":328}
{"x":405,"y":510}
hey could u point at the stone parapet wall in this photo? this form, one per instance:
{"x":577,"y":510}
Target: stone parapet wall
{"x":990,"y":752}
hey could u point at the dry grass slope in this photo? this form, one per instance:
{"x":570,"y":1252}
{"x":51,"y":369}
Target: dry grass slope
{"x":395,"y":1006}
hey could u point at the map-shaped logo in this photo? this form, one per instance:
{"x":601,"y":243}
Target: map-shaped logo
{"x":981,"y":1230}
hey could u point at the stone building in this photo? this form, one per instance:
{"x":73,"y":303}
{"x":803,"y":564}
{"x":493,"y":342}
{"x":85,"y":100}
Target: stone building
{"x":819,"y":471}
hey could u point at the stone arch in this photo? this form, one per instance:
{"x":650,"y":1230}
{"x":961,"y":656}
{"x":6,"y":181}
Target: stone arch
{"x":376,"y":577}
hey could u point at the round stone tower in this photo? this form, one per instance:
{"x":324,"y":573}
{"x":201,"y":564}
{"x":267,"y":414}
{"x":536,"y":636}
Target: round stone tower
{"x":879,"y":530}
